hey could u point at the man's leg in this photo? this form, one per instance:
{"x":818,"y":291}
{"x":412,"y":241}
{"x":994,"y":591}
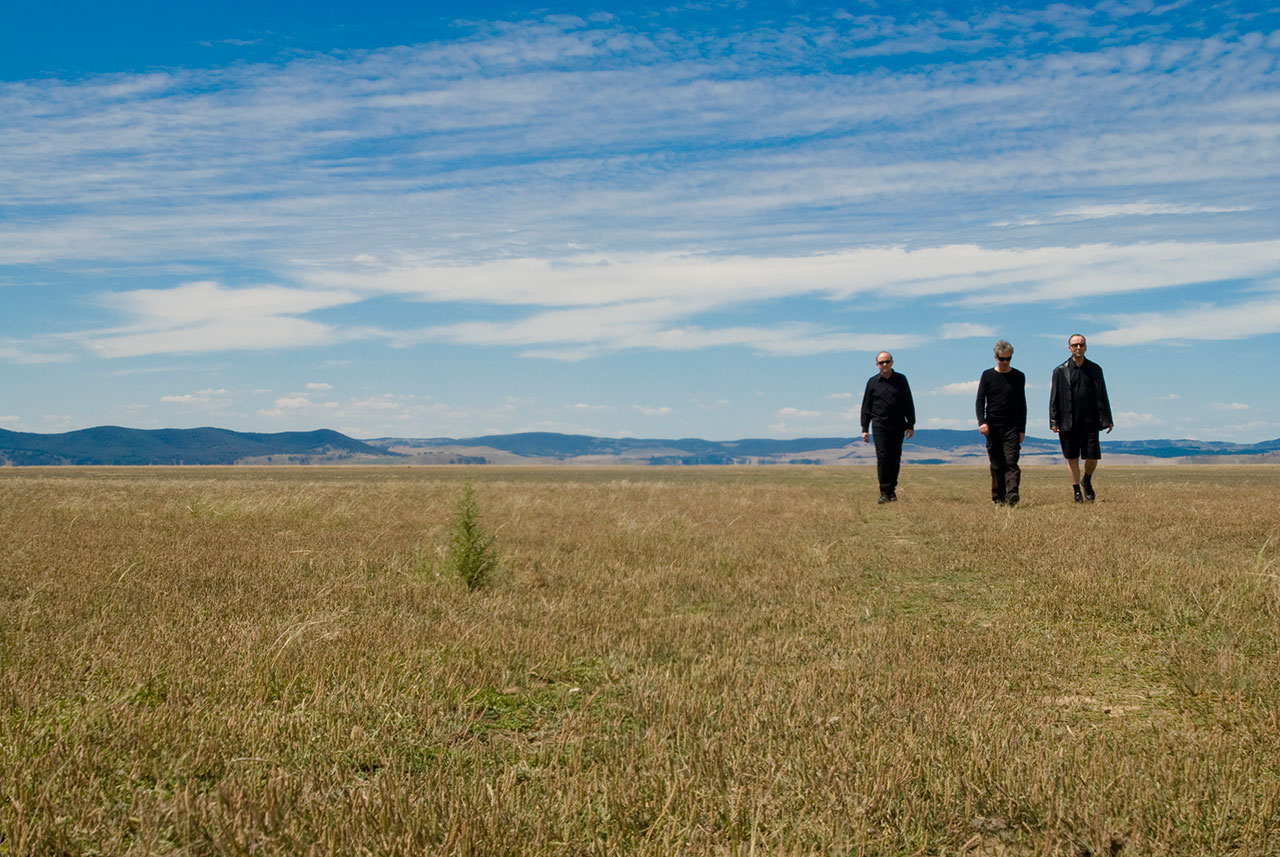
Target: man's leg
{"x":1012,"y":472}
{"x":995,"y":455}
{"x":895,"y":461}
{"x":1070,"y":442}
{"x":1090,"y":451}
{"x":1073,"y":464}
{"x":888,"y":459}
{"x":881,"y":453}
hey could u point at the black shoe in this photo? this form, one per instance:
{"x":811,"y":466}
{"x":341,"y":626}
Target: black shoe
{"x":1087,"y":484}
{"x":1079,"y":496}
{"x":1012,"y":499}
{"x":999,"y":501}
{"x":884,"y":498}
{"x":893,"y":496}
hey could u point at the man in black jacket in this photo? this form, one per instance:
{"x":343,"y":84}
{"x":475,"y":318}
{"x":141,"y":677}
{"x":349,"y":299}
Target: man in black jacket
{"x":1002,"y":419}
{"x":1078,"y":409}
{"x":889,"y":413}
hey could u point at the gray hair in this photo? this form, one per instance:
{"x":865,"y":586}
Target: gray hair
{"x":1001,"y":346}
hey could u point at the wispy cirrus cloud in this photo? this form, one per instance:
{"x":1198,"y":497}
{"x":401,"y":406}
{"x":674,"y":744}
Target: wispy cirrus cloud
{"x":602,"y":304}
{"x":538,"y":134}
{"x":205,"y":316}
{"x":1202,"y":322}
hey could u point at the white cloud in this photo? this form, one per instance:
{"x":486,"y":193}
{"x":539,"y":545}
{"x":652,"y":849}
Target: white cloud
{"x":193,"y":304}
{"x":1145,"y":209}
{"x":203,"y":398}
{"x":583,"y":406}
{"x":959,"y":388}
{"x":204,"y":316}
{"x":647,"y":301}
{"x":248,"y":334}
{"x":653,"y":412}
{"x":1128,"y":419}
{"x":839,"y":395}
{"x":797,"y":412}
{"x":1229,"y":406}
{"x":10,"y":420}
{"x":1171,"y":397}
{"x":319,"y":386}
{"x":649,"y":287}
{"x":952,"y":423}
{"x":376,"y":413}
{"x":963,"y":330}
{"x":1206,"y":322}
{"x":24,"y":353}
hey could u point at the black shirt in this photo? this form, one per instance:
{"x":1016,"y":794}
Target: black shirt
{"x":1002,"y":399}
{"x":887,"y":402}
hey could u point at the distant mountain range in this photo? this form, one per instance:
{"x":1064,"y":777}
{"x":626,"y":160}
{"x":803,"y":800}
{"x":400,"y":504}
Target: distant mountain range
{"x":116,"y":445}
{"x":113,"y":445}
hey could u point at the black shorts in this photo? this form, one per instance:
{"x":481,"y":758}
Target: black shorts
{"x":1080,"y":443}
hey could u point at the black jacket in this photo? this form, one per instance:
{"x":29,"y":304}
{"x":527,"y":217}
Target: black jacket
{"x":1078,"y":397}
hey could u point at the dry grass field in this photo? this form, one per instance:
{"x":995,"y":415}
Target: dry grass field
{"x":670,"y":661}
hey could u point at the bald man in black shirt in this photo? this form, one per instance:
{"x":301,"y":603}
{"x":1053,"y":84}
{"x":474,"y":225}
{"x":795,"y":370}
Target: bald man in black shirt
{"x":1078,"y":409}
{"x":889,"y":413}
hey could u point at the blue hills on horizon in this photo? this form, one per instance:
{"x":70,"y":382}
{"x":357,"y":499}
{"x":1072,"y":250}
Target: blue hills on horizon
{"x":116,"y":445}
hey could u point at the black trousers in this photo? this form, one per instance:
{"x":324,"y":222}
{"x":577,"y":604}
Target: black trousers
{"x":1003,"y":448}
{"x":888,"y":456}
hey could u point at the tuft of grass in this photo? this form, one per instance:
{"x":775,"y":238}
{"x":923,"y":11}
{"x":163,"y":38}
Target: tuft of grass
{"x":472,"y":557}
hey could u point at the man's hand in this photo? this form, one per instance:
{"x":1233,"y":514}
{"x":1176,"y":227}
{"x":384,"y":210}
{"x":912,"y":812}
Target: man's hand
{"x":1022,"y":436}
{"x":910,"y":432}
{"x":1109,"y":428}
{"x":866,"y":437}
{"x":984,"y":428}
{"x":1053,"y":429}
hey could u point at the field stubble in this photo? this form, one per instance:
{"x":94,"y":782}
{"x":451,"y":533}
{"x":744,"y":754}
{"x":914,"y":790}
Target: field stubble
{"x":695,"y":661}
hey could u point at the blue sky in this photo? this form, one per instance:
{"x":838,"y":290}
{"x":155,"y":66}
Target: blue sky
{"x":683,"y":220}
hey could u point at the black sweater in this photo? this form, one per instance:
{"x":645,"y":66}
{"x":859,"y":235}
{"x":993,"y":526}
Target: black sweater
{"x":1002,"y":399}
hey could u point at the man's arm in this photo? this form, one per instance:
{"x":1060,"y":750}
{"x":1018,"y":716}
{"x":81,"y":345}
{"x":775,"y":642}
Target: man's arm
{"x":981,"y":404}
{"x":1020,"y":405}
{"x":908,"y":408}
{"x":1104,"y":402}
{"x":866,"y":411}
{"x":1053,"y":400}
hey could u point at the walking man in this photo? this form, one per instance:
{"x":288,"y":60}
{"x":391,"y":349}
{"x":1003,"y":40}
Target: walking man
{"x":888,"y":413}
{"x":1078,"y":409}
{"x":1002,"y":419}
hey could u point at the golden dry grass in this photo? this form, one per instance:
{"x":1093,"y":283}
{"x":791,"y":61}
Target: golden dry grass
{"x":691,"y":661}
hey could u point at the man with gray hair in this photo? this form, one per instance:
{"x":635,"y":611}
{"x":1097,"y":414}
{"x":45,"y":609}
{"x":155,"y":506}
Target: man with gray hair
{"x":1002,"y":419}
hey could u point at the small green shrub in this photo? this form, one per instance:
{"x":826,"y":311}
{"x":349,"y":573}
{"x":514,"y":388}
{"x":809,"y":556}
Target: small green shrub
{"x":472,"y":557}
